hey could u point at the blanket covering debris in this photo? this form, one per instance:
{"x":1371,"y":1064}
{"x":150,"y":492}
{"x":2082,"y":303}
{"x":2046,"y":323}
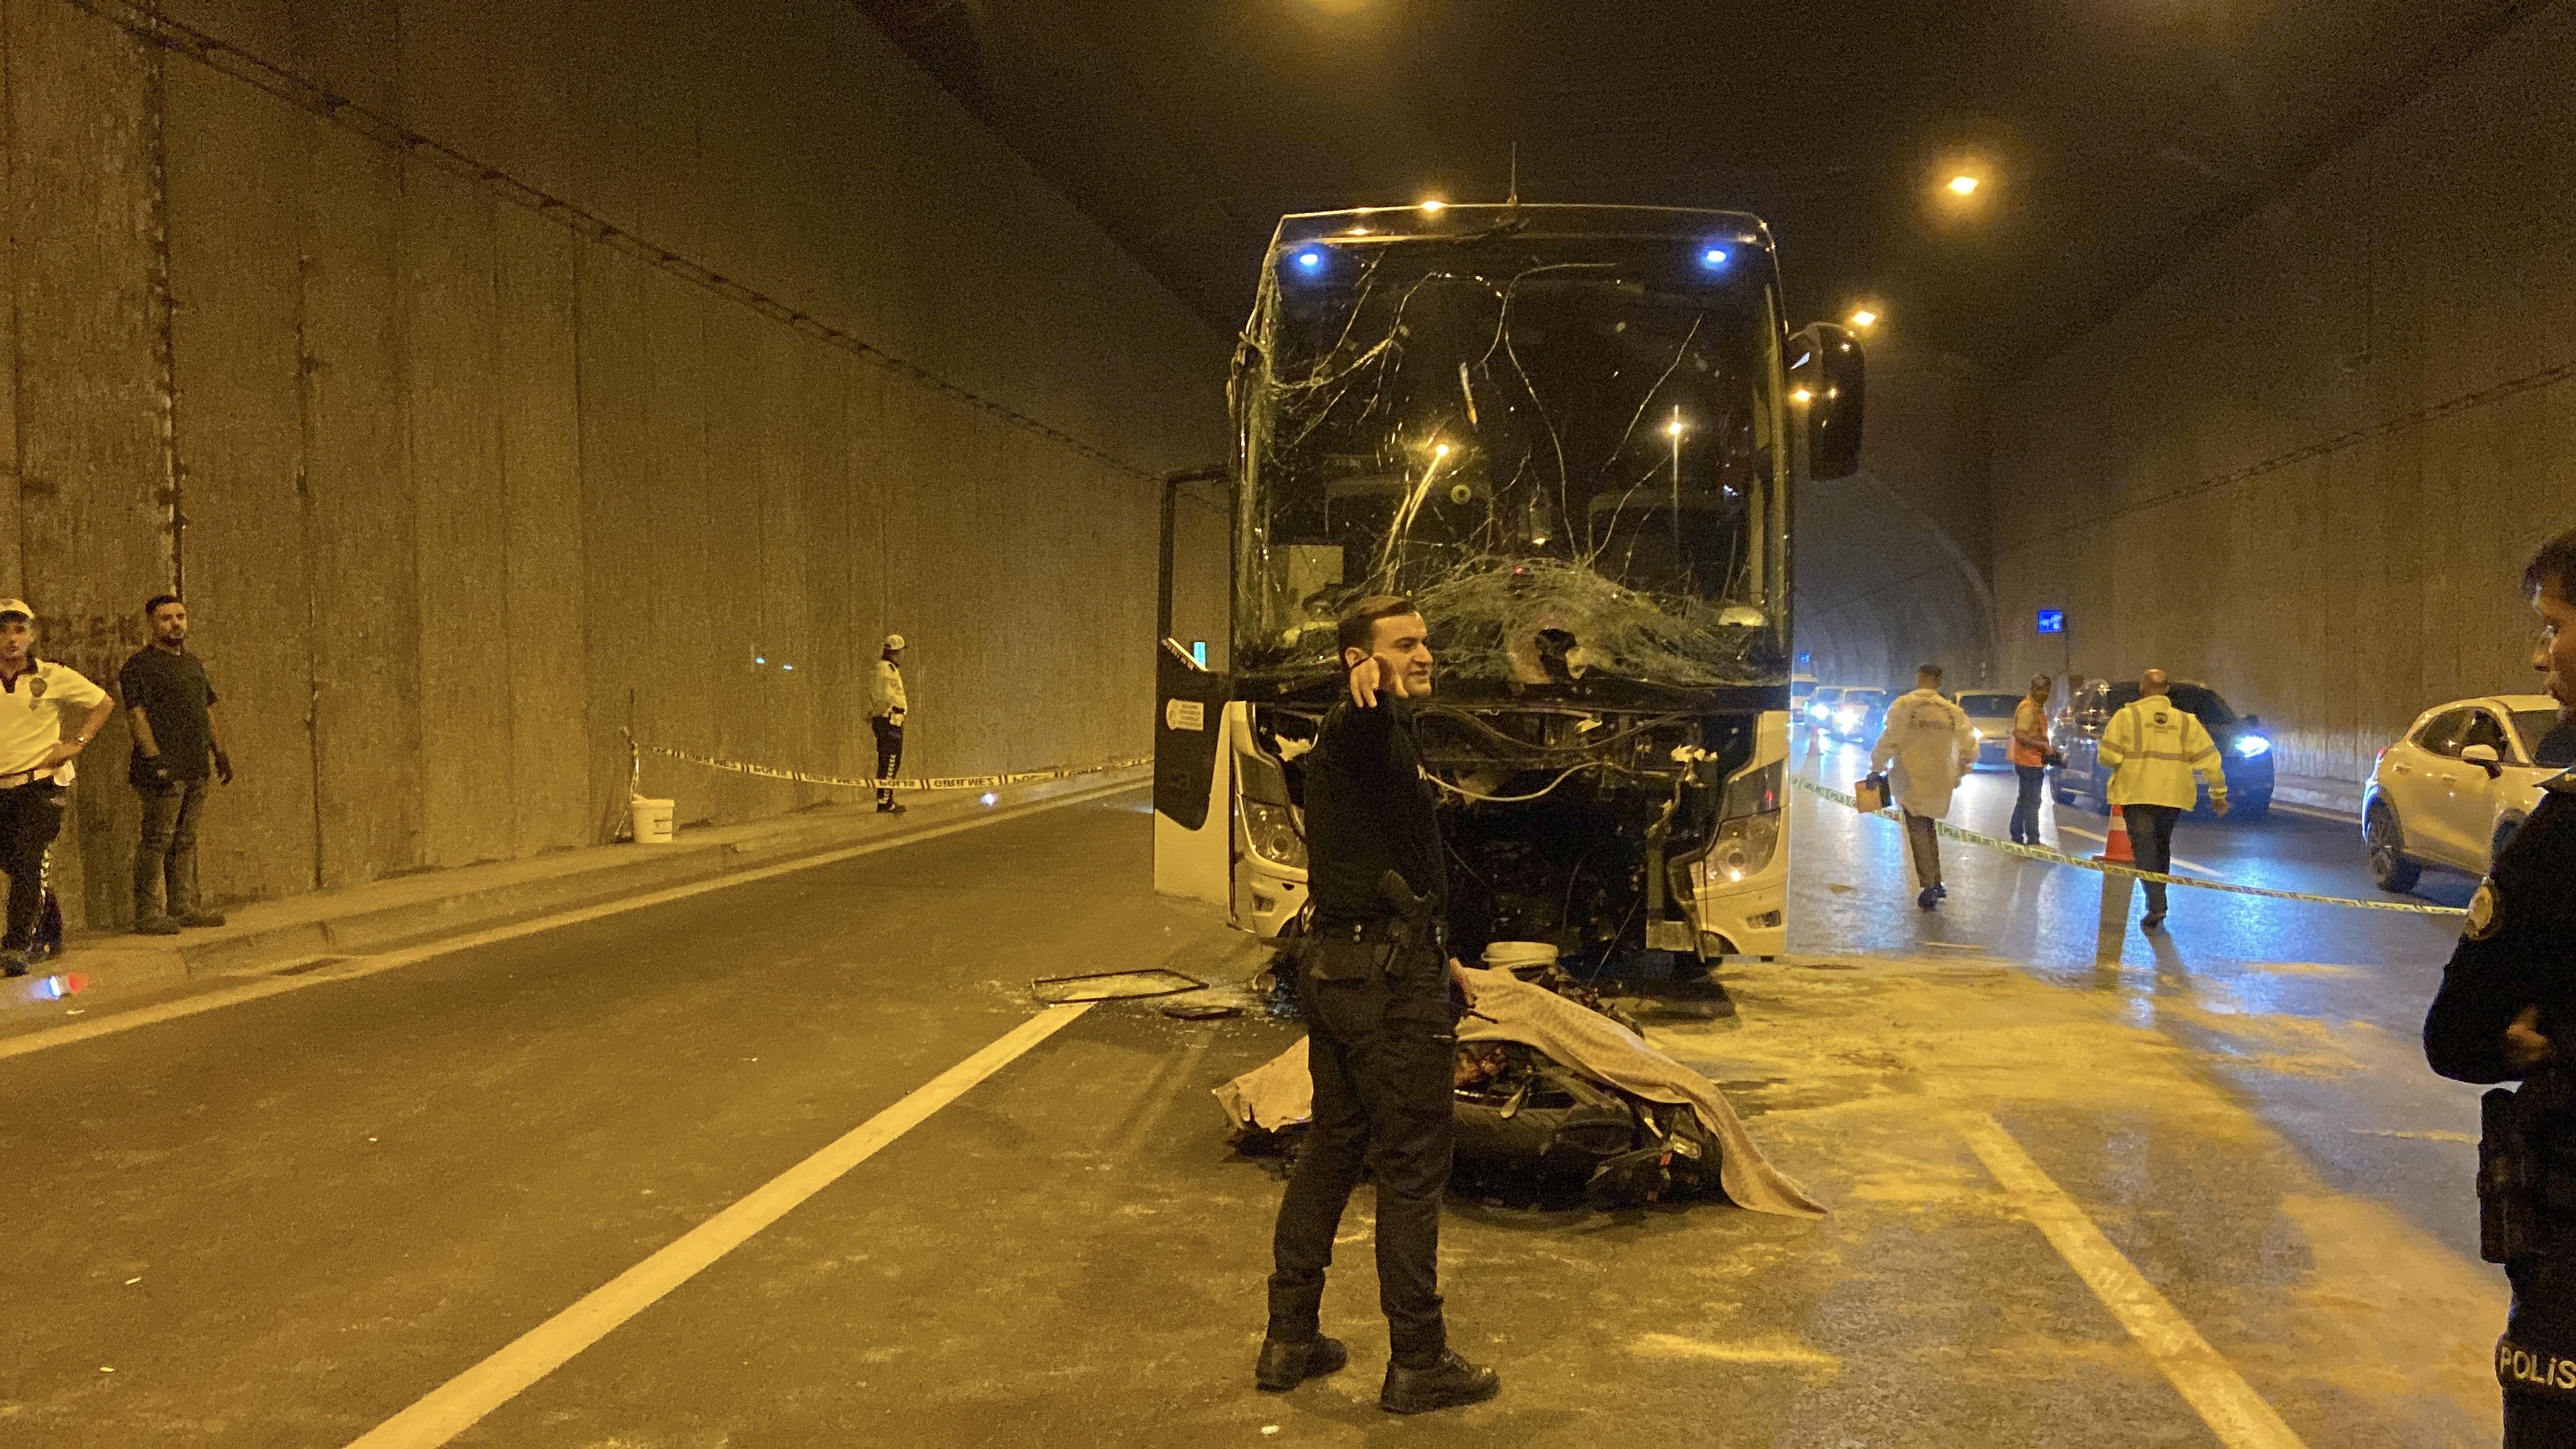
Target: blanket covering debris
{"x":1592,"y":1050}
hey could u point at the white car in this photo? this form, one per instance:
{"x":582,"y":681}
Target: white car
{"x":1991,"y":714}
{"x":2451,"y":792}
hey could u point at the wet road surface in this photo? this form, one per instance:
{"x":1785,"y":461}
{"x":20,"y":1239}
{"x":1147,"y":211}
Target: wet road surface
{"x":285,"y":1221}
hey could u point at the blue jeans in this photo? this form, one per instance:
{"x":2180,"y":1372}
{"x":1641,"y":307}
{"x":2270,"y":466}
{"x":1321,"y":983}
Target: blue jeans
{"x":165,"y":860}
{"x":2025,"y":816}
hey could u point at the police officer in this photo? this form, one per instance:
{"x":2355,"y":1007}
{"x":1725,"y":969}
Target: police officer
{"x":2153,"y":747}
{"x":2507,"y":1011}
{"x":1381,"y":1038}
{"x":36,"y":696}
{"x":887,"y":706}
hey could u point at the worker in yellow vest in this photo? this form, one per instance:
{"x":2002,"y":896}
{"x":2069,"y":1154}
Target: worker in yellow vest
{"x":2153,"y":748}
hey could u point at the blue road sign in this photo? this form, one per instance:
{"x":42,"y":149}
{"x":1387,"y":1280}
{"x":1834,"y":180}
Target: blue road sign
{"x":2052,"y":621}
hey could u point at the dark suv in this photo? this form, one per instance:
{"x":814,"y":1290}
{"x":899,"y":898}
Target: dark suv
{"x":2244,"y":750}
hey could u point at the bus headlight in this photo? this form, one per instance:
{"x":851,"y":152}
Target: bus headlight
{"x":1743,"y":848}
{"x":1271,"y":831}
{"x":2252,"y":745}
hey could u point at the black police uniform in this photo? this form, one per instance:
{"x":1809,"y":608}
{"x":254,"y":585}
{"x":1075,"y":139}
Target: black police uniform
{"x":1381,"y":1035}
{"x":2519,"y":951}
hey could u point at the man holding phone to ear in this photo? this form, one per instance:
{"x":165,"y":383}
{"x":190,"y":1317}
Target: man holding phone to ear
{"x":1381,"y":1036}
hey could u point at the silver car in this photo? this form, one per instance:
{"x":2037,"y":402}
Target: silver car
{"x":2450,"y":793}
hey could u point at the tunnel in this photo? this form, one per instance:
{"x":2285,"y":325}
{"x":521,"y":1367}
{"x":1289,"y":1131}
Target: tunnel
{"x":676,"y":682}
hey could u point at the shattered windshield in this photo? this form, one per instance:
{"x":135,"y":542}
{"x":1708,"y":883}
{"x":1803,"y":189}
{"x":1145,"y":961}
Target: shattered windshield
{"x":1557,"y":429}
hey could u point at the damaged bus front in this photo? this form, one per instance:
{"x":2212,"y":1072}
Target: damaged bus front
{"x":1570,"y":433}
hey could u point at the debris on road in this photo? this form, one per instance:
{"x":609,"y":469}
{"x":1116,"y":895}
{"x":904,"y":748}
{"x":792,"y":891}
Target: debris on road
{"x":1550,"y":1087}
{"x":1112,"y":986}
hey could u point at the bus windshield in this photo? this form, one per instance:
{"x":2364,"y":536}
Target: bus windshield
{"x":1559,"y":430}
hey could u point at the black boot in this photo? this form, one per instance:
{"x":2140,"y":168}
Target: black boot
{"x":1285,"y":1365}
{"x":1445,"y":1385}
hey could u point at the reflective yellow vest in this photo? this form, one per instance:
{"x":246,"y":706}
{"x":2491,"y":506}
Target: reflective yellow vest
{"x":2152,"y":748}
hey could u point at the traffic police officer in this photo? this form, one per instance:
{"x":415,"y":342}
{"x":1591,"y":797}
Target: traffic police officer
{"x":2508,"y":1002}
{"x":36,"y":695}
{"x":1381,"y":1036}
{"x":2153,"y":747}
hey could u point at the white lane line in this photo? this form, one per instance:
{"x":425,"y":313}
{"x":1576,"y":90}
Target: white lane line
{"x":461,"y":1402}
{"x":36,"y":1041}
{"x":2179,"y":862}
{"x":2222,"y":1398}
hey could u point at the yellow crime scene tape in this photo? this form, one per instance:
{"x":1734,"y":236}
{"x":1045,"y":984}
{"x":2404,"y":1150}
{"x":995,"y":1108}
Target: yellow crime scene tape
{"x":2033,"y":852}
{"x":944,"y":782}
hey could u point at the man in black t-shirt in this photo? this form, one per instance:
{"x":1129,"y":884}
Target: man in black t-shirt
{"x":175,"y":749}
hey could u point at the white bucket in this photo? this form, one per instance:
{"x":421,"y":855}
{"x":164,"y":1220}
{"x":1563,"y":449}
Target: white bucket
{"x":1523,"y":958}
{"x":652,"y":820}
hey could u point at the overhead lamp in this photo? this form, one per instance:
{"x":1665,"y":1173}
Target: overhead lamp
{"x":1434,"y":205}
{"x":1676,"y":427}
{"x":1864,"y":318}
{"x":1801,"y":395}
{"x":1440,"y":450}
{"x":1963,"y":184}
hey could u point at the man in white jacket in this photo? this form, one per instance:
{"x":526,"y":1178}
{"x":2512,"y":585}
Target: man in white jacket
{"x":886,"y":709}
{"x":1932,"y":744}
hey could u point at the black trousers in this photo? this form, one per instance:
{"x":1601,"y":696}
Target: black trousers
{"x":889,"y":753}
{"x":2025,"y":816}
{"x":31,"y":815}
{"x":2538,"y":1353}
{"x":2151,"y":830}
{"x":1381,"y":1053}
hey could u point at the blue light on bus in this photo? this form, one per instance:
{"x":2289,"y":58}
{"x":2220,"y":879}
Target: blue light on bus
{"x":1310,"y":259}
{"x":1715,"y":258}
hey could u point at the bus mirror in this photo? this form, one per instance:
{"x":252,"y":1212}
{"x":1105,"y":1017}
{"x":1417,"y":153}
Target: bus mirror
{"x":1826,"y":381}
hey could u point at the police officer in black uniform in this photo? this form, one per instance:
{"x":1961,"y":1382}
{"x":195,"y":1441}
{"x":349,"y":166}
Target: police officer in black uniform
{"x":2507,"y":1011}
{"x":1381,"y":1033}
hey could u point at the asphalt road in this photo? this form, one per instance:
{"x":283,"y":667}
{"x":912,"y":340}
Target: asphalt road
{"x":285,"y":1221}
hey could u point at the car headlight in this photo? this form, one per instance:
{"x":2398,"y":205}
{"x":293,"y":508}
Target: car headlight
{"x":1272,"y":832}
{"x":1849,"y":717}
{"x":2252,"y":745}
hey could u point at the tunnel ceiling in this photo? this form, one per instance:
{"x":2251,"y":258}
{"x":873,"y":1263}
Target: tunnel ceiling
{"x":2115,"y":132}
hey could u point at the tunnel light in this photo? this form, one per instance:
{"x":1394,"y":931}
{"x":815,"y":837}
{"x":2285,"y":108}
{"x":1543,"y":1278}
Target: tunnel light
{"x":1863,"y":318}
{"x":1440,"y":450}
{"x":1963,"y":185}
{"x":1433,"y":205}
{"x":1676,"y":427}
{"x":760,"y":659}
{"x":2251,"y":746}
{"x":991,"y":798}
{"x":1801,"y":395}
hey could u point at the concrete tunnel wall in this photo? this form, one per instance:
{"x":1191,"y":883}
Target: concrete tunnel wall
{"x":2309,"y":463}
{"x":1892,"y":564}
{"x":586,"y":353}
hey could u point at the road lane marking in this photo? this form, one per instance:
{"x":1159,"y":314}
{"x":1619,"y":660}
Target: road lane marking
{"x":2179,"y":862}
{"x":36,"y":1041}
{"x":2222,"y":1398}
{"x":461,"y":1402}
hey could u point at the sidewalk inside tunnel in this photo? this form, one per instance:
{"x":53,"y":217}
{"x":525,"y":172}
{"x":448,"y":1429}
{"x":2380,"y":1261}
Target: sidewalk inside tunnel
{"x":289,"y":1220}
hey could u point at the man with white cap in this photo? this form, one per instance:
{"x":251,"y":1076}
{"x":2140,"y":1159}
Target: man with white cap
{"x":35,"y":696}
{"x":886,"y":709}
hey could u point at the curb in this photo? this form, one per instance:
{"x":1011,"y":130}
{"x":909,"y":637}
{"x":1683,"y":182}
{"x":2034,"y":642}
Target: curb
{"x":414,"y":910}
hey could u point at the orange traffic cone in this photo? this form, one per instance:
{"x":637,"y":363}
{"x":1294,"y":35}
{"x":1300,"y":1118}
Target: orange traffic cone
{"x":2115,"y":851}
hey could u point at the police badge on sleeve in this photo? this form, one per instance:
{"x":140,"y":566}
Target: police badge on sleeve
{"x":2486,"y":911}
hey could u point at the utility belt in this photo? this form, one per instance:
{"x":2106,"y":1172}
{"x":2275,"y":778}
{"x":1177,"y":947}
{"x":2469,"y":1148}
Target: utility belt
{"x":1393,"y":951}
{"x":16,"y":778}
{"x":2526,"y":1169}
